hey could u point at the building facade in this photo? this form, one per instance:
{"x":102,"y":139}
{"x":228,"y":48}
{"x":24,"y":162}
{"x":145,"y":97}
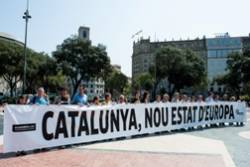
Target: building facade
{"x":214,"y":51}
{"x":246,"y":42}
{"x":84,"y":33}
{"x":94,"y":88}
{"x":218,"y":49}
{"x":144,"y":55}
{"x":144,"y":52}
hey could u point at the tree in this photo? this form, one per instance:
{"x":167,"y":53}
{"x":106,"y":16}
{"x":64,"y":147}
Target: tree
{"x":181,"y":68}
{"x":237,"y":77}
{"x":42,"y":71}
{"x":41,"y":68}
{"x":116,"y":83}
{"x":55,"y":81}
{"x":127,"y":90}
{"x":79,"y":60}
{"x":246,"y":88}
{"x":143,"y":81}
{"x":11,"y":58}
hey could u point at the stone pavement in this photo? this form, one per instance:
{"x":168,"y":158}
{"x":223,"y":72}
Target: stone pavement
{"x":94,"y":158}
{"x":174,"y":143}
{"x":122,"y":154}
{"x":217,"y":147}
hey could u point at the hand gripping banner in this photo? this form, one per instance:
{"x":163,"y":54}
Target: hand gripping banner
{"x":29,"y":127}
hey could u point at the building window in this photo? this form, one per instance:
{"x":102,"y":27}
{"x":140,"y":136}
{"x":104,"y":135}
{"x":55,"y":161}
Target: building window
{"x":84,"y":34}
{"x":212,"y":53}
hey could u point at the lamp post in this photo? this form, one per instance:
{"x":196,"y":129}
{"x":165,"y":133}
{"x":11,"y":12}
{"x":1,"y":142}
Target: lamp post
{"x":26,"y":17}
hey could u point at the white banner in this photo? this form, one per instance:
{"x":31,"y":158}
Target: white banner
{"x":31,"y":127}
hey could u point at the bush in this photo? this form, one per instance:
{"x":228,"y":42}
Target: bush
{"x":8,"y":100}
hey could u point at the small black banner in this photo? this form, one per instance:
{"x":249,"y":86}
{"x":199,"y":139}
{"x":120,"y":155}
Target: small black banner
{"x":24,"y":127}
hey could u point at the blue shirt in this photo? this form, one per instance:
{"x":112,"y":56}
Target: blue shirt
{"x":209,"y":99}
{"x":39,"y":100}
{"x":80,"y":99}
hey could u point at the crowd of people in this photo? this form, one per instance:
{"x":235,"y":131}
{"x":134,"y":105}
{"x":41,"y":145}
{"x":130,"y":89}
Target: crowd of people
{"x":81,"y":98}
{"x":177,"y":97}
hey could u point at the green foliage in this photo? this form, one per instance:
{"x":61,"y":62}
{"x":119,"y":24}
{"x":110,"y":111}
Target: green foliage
{"x":238,"y":77}
{"x":127,"y":90}
{"x":163,"y":91}
{"x":41,"y":68}
{"x":56,"y":81}
{"x":11,"y":63}
{"x":117,"y":83}
{"x":143,"y":81}
{"x":79,"y":60}
{"x":182,"y":68}
{"x":246,"y":88}
{"x":8,"y":100}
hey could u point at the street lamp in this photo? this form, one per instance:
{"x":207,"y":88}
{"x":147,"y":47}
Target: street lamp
{"x":26,"y":17}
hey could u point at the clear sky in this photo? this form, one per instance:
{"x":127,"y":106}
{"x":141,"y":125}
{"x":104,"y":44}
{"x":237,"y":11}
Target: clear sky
{"x":113,"y":22}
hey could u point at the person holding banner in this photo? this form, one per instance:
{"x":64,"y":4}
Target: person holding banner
{"x":217,"y":98}
{"x":64,"y":97}
{"x":193,"y":99}
{"x":96,"y":101}
{"x":145,"y":97}
{"x":233,"y":98}
{"x":210,"y":98}
{"x":184,"y":98}
{"x":80,"y":97}
{"x":136,"y":98}
{"x":158,"y":99}
{"x":122,"y":99}
{"x":200,"y":99}
{"x":225,"y":97}
{"x":22,"y":100}
{"x":166,"y":98}
{"x":107,"y":99}
{"x":40,"y":98}
{"x":176,"y":98}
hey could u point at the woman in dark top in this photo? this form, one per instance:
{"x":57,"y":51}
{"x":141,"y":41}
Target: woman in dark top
{"x":145,"y":97}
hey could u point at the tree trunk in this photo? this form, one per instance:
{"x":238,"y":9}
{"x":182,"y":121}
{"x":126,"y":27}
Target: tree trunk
{"x":11,"y":89}
{"x":169,"y":87}
{"x":77,"y":83}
